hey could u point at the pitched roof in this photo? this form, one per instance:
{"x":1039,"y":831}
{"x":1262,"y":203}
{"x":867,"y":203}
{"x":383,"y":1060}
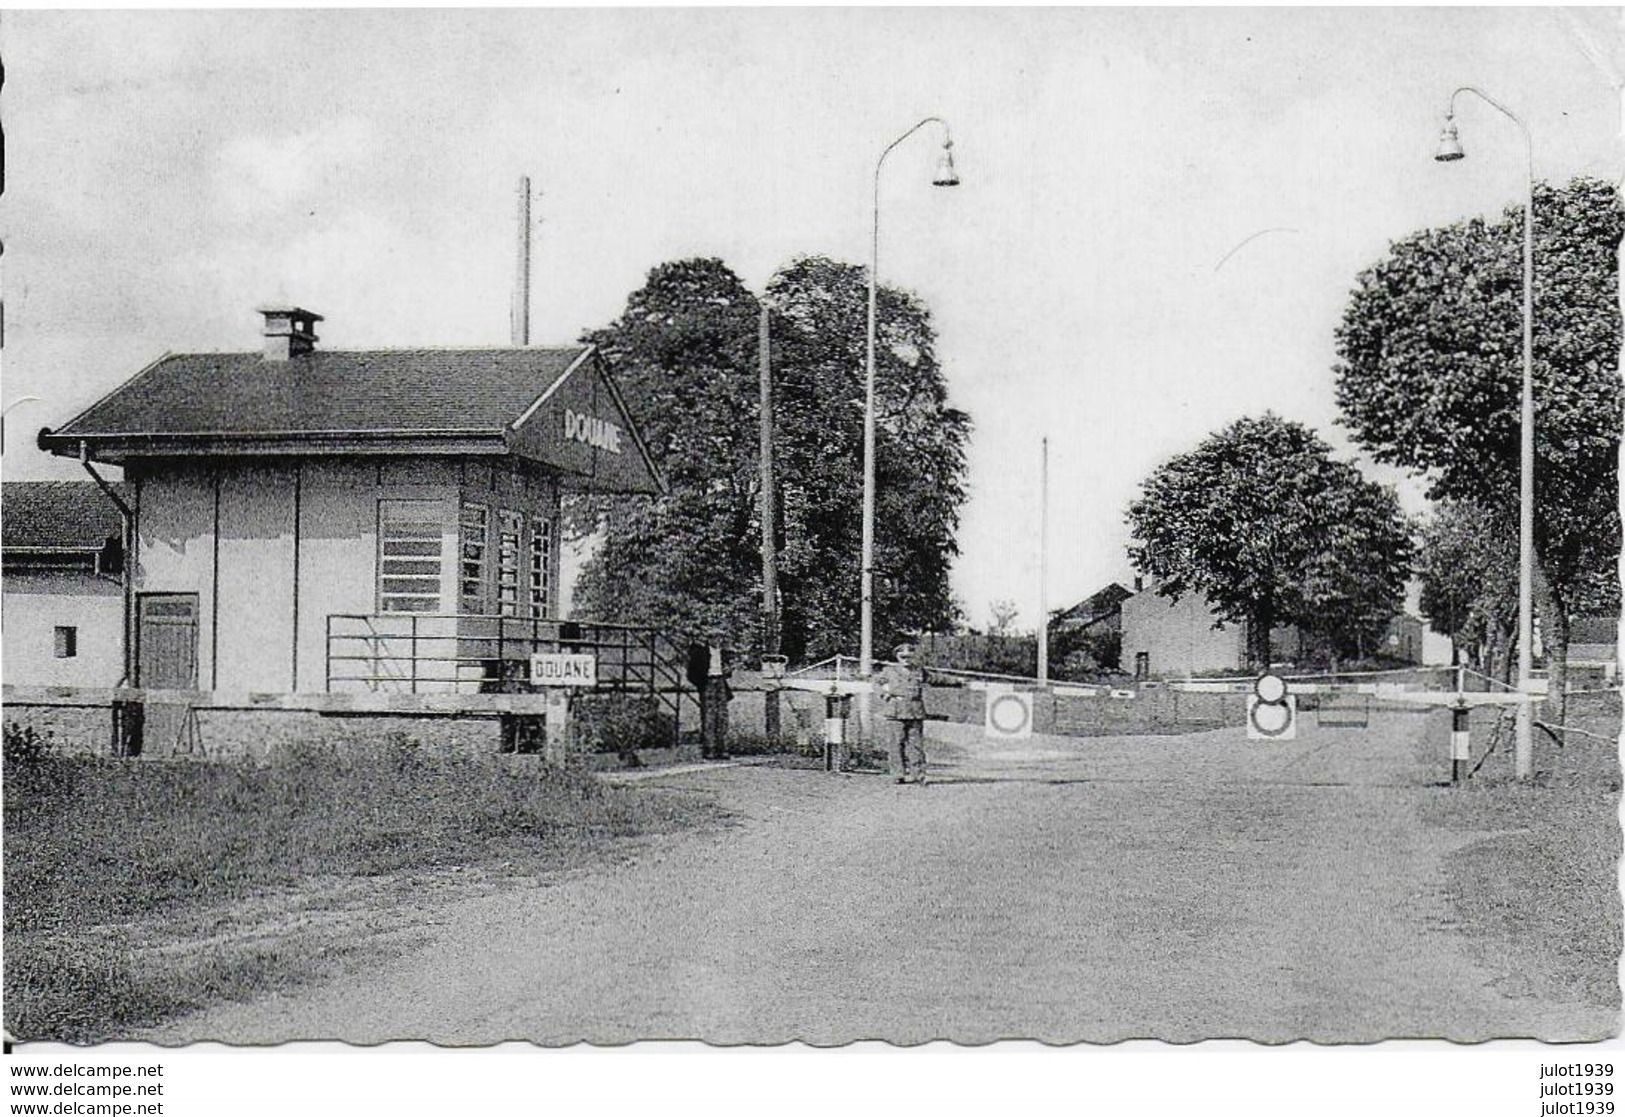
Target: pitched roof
{"x":381,"y":390}
{"x":433,"y":401}
{"x":1103,"y":602}
{"x":57,"y":516}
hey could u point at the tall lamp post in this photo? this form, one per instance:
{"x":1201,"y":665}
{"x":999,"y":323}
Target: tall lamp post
{"x":1450,"y":151}
{"x":945,"y":176}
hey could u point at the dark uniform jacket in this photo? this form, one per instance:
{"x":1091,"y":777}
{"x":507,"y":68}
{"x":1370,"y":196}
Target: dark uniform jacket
{"x":902,"y":690}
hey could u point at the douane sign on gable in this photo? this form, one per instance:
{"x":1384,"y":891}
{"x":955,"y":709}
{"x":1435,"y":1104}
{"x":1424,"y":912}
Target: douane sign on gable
{"x":563,"y":670}
{"x":581,"y":427}
{"x":592,"y":430}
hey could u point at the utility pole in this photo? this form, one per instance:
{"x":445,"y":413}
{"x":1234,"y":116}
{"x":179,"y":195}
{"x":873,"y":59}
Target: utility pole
{"x":519,"y":314}
{"x":1043,"y":549}
{"x":770,"y":556}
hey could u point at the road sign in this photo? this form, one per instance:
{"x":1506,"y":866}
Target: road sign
{"x":1009,"y":713}
{"x":1272,"y":713}
{"x":551,"y":670}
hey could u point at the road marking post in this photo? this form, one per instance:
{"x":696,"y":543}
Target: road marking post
{"x":1460,"y":741}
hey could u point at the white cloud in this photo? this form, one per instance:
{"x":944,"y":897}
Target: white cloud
{"x":256,"y":173}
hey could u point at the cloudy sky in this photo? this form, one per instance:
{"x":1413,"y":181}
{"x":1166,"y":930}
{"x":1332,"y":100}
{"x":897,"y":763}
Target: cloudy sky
{"x":167,"y":172}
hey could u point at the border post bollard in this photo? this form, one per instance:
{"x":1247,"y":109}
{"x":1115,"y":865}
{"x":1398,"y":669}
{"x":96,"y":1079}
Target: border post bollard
{"x":556,"y":719}
{"x":1460,"y":741}
{"x":836,"y":707}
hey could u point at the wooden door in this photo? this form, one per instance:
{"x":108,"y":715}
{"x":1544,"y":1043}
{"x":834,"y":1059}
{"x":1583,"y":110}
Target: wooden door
{"x":167,"y":660}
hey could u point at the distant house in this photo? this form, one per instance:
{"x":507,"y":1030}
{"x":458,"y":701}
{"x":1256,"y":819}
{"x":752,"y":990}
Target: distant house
{"x":63,"y":564}
{"x":1163,"y":638}
{"x":318,"y":521}
{"x":1404,"y":639}
{"x":1594,"y":646}
{"x":1101,"y":611}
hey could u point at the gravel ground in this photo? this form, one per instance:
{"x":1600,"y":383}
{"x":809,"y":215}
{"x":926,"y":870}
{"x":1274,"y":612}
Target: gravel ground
{"x":1179,"y":888}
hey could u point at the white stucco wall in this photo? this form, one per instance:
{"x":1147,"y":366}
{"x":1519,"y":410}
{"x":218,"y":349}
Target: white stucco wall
{"x":1178,"y":637}
{"x":175,"y":542}
{"x":316,"y":520}
{"x":35,"y":604}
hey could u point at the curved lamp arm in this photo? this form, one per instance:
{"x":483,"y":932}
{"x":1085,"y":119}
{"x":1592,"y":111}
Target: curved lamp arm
{"x":1528,"y":141}
{"x":866,"y":574}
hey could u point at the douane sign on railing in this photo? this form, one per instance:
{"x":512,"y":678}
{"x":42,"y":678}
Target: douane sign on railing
{"x":552,"y":669}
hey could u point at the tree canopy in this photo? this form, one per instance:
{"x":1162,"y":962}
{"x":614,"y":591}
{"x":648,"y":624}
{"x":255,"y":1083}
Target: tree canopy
{"x":1261,"y":520}
{"x":1430,"y":368}
{"x":685,"y":355}
{"x":1430,"y":378}
{"x":1468,"y":565}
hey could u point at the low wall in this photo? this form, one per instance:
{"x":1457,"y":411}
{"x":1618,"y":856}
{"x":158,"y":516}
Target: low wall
{"x":254,"y":734}
{"x":1151,"y":710}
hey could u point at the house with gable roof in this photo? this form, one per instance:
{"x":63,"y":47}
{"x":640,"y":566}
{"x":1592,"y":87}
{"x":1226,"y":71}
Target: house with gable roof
{"x":62,"y":552}
{"x":304,"y":520}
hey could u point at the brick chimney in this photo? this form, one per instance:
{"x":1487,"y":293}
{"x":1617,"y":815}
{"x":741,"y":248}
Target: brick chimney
{"x":290,"y":331}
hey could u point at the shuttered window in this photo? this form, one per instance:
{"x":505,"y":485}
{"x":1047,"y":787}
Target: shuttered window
{"x":541,"y":565}
{"x":512,"y":525}
{"x":475,"y":539}
{"x":410,"y":556}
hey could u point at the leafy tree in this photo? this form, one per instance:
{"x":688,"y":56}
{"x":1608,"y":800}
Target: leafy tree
{"x":1468,"y":565}
{"x":820,"y":308}
{"x":1430,"y":368}
{"x":1001,"y":617}
{"x":685,"y":354}
{"x":1261,"y":520}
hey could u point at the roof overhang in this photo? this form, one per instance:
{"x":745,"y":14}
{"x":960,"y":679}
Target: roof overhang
{"x":119,"y":449}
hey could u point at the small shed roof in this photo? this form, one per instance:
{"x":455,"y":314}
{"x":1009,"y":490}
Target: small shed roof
{"x":1102,"y":603}
{"x":431,"y":401}
{"x":57,"y":516}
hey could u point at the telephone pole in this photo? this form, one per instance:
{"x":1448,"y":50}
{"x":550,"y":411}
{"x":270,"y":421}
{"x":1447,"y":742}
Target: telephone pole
{"x":1043,"y":549}
{"x":770,"y":555}
{"x":519,"y":314}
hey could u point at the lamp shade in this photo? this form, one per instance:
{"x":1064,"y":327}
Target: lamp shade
{"x":1449,"y":146}
{"x":946,"y":175}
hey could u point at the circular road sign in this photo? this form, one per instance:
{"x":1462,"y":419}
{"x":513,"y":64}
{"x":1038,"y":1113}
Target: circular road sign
{"x":1009,"y":714}
{"x":1270,"y":688}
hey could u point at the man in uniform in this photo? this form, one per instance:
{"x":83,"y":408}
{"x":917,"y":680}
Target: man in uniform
{"x":902,"y":694}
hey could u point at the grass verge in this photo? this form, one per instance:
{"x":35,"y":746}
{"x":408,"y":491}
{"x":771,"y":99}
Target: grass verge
{"x":1538,"y":895}
{"x":121,"y":876}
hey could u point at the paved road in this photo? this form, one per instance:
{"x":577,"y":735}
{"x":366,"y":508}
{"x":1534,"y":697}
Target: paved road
{"x":1176,"y":887}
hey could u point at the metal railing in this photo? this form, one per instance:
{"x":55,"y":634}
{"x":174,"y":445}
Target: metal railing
{"x":471,"y":653}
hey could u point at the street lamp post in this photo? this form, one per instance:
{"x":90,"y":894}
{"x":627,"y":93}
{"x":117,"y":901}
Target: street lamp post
{"x":1450,"y":151}
{"x":945,"y":176}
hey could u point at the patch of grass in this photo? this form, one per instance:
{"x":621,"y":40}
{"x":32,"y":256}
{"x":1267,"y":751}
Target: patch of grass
{"x":94,"y":846}
{"x":1538,"y":896}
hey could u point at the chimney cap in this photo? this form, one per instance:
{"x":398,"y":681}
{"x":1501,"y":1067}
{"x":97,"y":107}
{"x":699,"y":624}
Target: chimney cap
{"x":289,"y":310}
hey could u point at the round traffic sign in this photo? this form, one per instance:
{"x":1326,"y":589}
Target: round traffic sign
{"x":1009,"y":713}
{"x":1271,"y":719}
{"x":1270,"y":688}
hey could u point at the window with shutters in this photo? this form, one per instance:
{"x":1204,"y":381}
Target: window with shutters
{"x":474,"y":539}
{"x":511,"y":526}
{"x":541,"y":565}
{"x":410,"y":556}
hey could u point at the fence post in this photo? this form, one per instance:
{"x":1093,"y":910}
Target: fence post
{"x":128,"y":722}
